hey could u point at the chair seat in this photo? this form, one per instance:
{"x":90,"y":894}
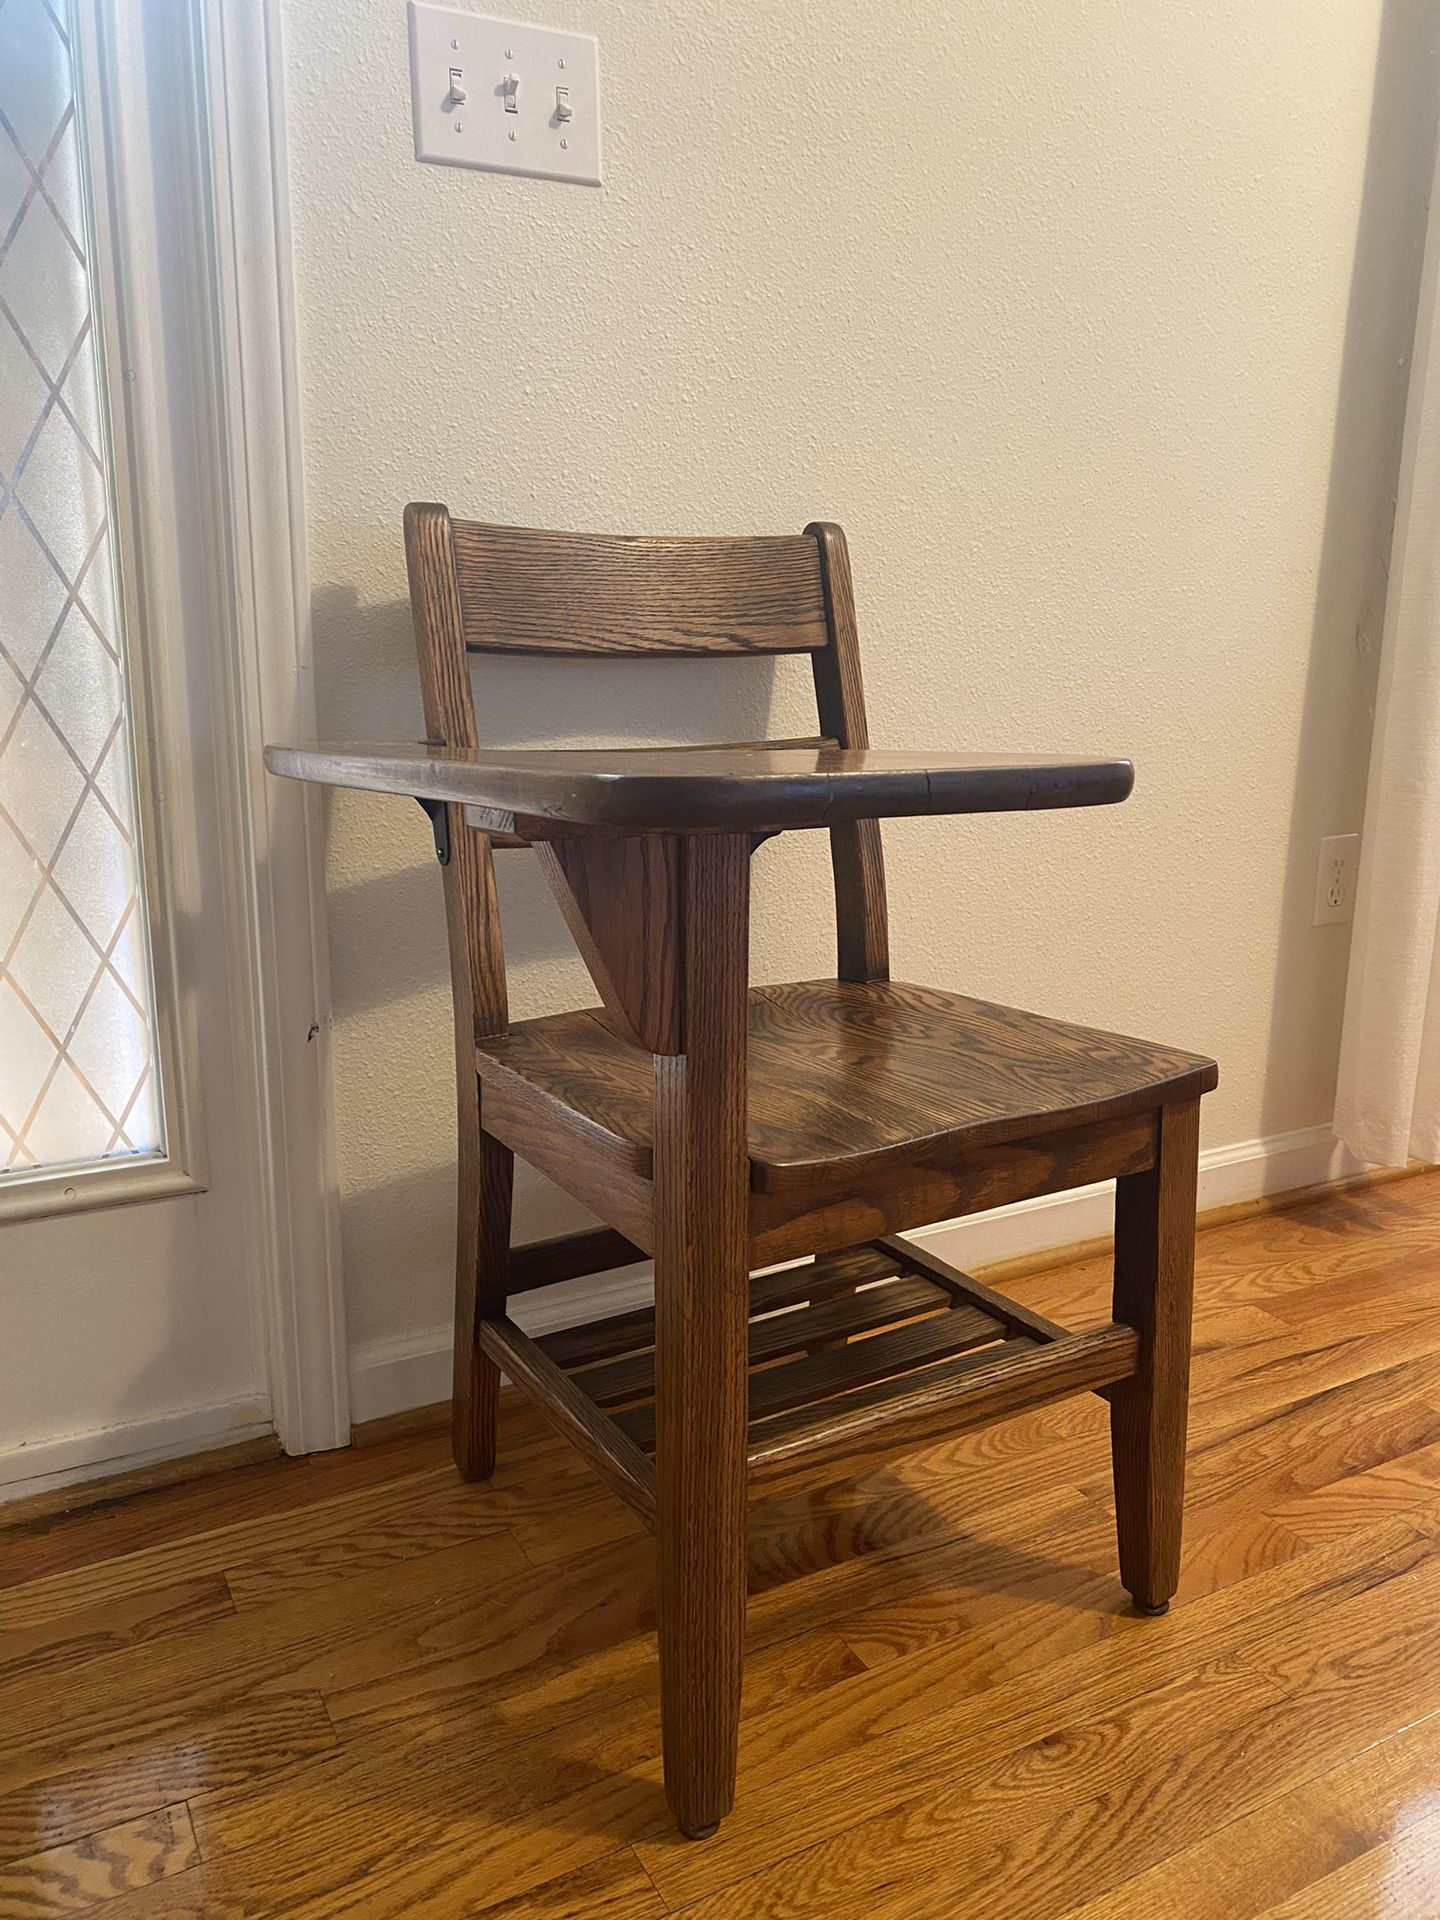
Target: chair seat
{"x":859,"y":1076}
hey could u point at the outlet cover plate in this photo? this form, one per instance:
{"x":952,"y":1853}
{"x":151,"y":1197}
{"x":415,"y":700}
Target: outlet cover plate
{"x":486,"y":52}
{"x":1336,"y":872}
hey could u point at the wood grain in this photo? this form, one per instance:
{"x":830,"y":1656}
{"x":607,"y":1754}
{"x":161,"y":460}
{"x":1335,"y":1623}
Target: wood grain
{"x":1154,"y":1273}
{"x":621,"y":902}
{"x":702,"y":1273}
{"x":86,"y":1875}
{"x":571,"y":1413}
{"x":848,"y":1078}
{"x":484,"y":1166}
{"x":525,"y":590}
{"x":861,"y":916}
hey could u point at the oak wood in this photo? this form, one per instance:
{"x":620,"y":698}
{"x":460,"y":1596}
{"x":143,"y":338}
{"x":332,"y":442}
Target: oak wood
{"x":942,"y":1184}
{"x":622,"y":1465}
{"x":701,"y":1321}
{"x":862,"y":934}
{"x":566,"y":1146}
{"x":846,"y":1078}
{"x":1154,"y":1276}
{"x":830,"y":1372}
{"x":570,"y":1256}
{"x":527,"y":590}
{"x":482,"y":819}
{"x":777,"y":1334}
{"x":544,"y":791}
{"x":813,"y":1281}
{"x":621,"y":900}
{"x":1018,"y":1318}
{"x":722,"y":1129}
{"x":966,"y":1391}
{"x":484,"y":1166}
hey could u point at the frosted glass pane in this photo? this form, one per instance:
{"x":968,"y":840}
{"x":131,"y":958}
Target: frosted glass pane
{"x":77,"y":1070}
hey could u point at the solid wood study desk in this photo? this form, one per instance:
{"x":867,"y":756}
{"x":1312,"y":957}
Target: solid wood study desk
{"x":769,"y":1146}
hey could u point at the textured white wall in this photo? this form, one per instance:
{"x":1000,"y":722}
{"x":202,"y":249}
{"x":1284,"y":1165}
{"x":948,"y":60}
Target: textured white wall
{"x":1096,"y":348}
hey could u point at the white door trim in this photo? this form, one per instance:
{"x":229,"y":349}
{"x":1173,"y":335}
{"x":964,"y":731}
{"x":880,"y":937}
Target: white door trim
{"x":280,"y":885}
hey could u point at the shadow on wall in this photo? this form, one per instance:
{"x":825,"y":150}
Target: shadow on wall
{"x":1338,"y":712}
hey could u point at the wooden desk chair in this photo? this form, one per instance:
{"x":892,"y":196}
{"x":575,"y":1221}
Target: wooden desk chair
{"x":867,"y":1107}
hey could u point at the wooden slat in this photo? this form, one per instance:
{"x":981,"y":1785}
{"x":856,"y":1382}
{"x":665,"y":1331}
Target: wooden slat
{"x":1020,"y":1319}
{"x":952,"y":1396}
{"x":529,"y":590}
{"x":888,"y":1355}
{"x":584,"y":1346}
{"x":571,"y":1256}
{"x":609,"y":1451}
{"x":822,"y":1376}
{"x":633,"y":1376}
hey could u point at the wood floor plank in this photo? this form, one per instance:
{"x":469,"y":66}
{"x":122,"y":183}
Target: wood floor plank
{"x":452,"y":1761}
{"x":74,"y":1793}
{"x":1248,"y":1867}
{"x":804,"y":1780}
{"x":90,"y":1873}
{"x":219,"y":1547}
{"x":448,"y":1515}
{"x":1144,"y":1785}
{"x":614,"y":1887}
{"x":274,"y":1493}
{"x":65,"y":1639}
{"x":1398,"y":1880}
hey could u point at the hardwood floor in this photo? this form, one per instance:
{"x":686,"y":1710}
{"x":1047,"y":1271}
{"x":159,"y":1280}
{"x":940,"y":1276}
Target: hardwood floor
{"x":352,"y":1686}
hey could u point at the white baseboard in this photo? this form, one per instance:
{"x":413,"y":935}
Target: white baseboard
{"x":43,"y":1464}
{"x":390,"y":1376}
{"x":1308,"y":1157}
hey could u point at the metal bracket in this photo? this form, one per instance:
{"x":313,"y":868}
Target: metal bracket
{"x":439,"y":814}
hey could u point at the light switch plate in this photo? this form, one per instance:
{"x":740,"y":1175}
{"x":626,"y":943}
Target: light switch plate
{"x":495,"y":93}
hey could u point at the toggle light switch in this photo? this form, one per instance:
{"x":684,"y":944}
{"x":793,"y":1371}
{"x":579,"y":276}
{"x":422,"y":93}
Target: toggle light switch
{"x":489,"y":65}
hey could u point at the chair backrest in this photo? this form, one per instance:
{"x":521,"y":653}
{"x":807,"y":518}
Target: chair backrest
{"x":476,"y":589}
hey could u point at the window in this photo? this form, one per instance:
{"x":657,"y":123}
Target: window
{"x":78,"y":1075}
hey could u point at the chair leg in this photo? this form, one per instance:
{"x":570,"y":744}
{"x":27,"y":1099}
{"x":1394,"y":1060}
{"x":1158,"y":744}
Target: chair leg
{"x":482,"y":1258}
{"x":701,"y":1322}
{"x":1154,"y":1286}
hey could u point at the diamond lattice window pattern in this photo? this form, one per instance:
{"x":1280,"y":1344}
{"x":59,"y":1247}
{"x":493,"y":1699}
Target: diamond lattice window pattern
{"x":78,"y":1080}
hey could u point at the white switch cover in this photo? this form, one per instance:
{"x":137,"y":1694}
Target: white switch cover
{"x":504,"y":96}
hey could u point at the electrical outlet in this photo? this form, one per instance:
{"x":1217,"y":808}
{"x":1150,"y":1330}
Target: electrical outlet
{"x":1335,"y":875}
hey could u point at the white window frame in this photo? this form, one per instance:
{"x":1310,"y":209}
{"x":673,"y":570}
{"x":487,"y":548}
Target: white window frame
{"x":248,"y":595}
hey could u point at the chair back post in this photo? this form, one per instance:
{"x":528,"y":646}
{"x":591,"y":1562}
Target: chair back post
{"x":861,"y":924}
{"x":472,"y":914}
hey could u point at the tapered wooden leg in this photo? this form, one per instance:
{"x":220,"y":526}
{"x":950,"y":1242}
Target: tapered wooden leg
{"x":702,"y":1301}
{"x":482,"y":1254}
{"x":1154,"y":1286}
